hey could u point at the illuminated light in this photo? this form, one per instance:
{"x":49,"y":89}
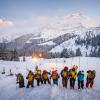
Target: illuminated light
{"x":35,"y":59}
{"x":40,"y":55}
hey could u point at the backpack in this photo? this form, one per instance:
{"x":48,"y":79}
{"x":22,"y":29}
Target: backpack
{"x":45,"y":75}
{"x":65,"y":74}
{"x":30,"y":77}
{"x":20,"y":78}
{"x":91,"y":75}
{"x":73,"y":74}
{"x":38,"y":72}
{"x":54,"y":75}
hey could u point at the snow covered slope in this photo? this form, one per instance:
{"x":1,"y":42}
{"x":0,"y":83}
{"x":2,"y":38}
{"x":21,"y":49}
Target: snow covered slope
{"x":48,"y":43}
{"x":72,"y":23}
{"x":10,"y":91}
{"x":81,"y":41}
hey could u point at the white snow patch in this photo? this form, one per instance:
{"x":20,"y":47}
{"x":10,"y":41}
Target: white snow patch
{"x":10,"y":91}
{"x":48,"y":43}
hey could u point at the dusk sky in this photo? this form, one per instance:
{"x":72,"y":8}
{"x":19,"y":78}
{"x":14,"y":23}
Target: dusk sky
{"x":17,"y":12}
{"x":23,"y":9}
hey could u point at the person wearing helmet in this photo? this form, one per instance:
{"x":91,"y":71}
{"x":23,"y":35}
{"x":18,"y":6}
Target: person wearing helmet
{"x":64,"y":75}
{"x":90,"y":78}
{"x":38,"y":76}
{"x":20,"y":80}
{"x":55,"y":76}
{"x":30,"y":79}
{"x":75,"y":67}
{"x":72,"y":76}
{"x":80,"y":77}
{"x":45,"y":77}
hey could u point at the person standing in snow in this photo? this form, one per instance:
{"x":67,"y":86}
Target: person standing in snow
{"x":38,"y":76}
{"x":72,"y":76}
{"x":90,"y":78}
{"x":45,"y":77}
{"x":30,"y":79}
{"x":80,"y":77}
{"x":55,"y":77}
{"x":38,"y":70}
{"x":20,"y":80}
{"x":64,"y":75}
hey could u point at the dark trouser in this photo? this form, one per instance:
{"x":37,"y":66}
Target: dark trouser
{"x":38,"y":81}
{"x":30,"y":83}
{"x":89,"y":82}
{"x":55,"y":81}
{"x":80,"y":84}
{"x":72,"y":83}
{"x":47,"y":80}
{"x":64,"y":82}
{"x":21,"y":84}
{"x":41,"y":81}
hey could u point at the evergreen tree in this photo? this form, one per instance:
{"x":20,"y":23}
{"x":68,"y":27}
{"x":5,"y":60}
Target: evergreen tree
{"x":65,"y":53}
{"x":98,"y":52}
{"x":15,"y":56}
{"x":93,"y":53}
{"x":71,"y":53}
{"x":24,"y":58}
{"x":78,"y":52}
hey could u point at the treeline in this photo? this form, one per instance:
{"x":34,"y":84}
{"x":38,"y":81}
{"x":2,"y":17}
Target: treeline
{"x":90,"y":40}
{"x":10,"y":55}
{"x":66,"y":54}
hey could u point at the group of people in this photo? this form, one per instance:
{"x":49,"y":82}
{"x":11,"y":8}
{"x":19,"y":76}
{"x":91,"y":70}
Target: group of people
{"x":66,"y":74}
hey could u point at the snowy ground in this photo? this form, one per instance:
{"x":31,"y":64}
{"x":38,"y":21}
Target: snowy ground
{"x":10,"y":91}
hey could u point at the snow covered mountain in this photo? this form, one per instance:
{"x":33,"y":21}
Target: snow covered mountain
{"x":34,"y":42}
{"x":57,"y":33}
{"x":87,"y":42}
{"x":72,"y":23}
{"x":52,"y":27}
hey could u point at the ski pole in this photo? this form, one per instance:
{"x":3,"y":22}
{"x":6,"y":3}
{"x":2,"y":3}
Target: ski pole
{"x":79,"y":62}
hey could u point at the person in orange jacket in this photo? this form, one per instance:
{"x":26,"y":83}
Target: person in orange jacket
{"x":45,"y":77}
{"x":72,"y":76}
{"x":55,"y":77}
{"x":64,"y":75}
{"x":90,"y":78}
{"x":30,"y":79}
{"x":38,"y":76}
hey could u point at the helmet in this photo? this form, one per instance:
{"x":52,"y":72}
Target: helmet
{"x":65,"y":68}
{"x":19,"y":74}
{"x":54,"y":71}
{"x":44,"y":71}
{"x":79,"y":72}
{"x":30,"y":71}
{"x":88,"y":71}
{"x":74,"y":68}
{"x":82,"y":72}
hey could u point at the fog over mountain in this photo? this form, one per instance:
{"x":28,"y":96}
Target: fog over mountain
{"x":48,"y":26}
